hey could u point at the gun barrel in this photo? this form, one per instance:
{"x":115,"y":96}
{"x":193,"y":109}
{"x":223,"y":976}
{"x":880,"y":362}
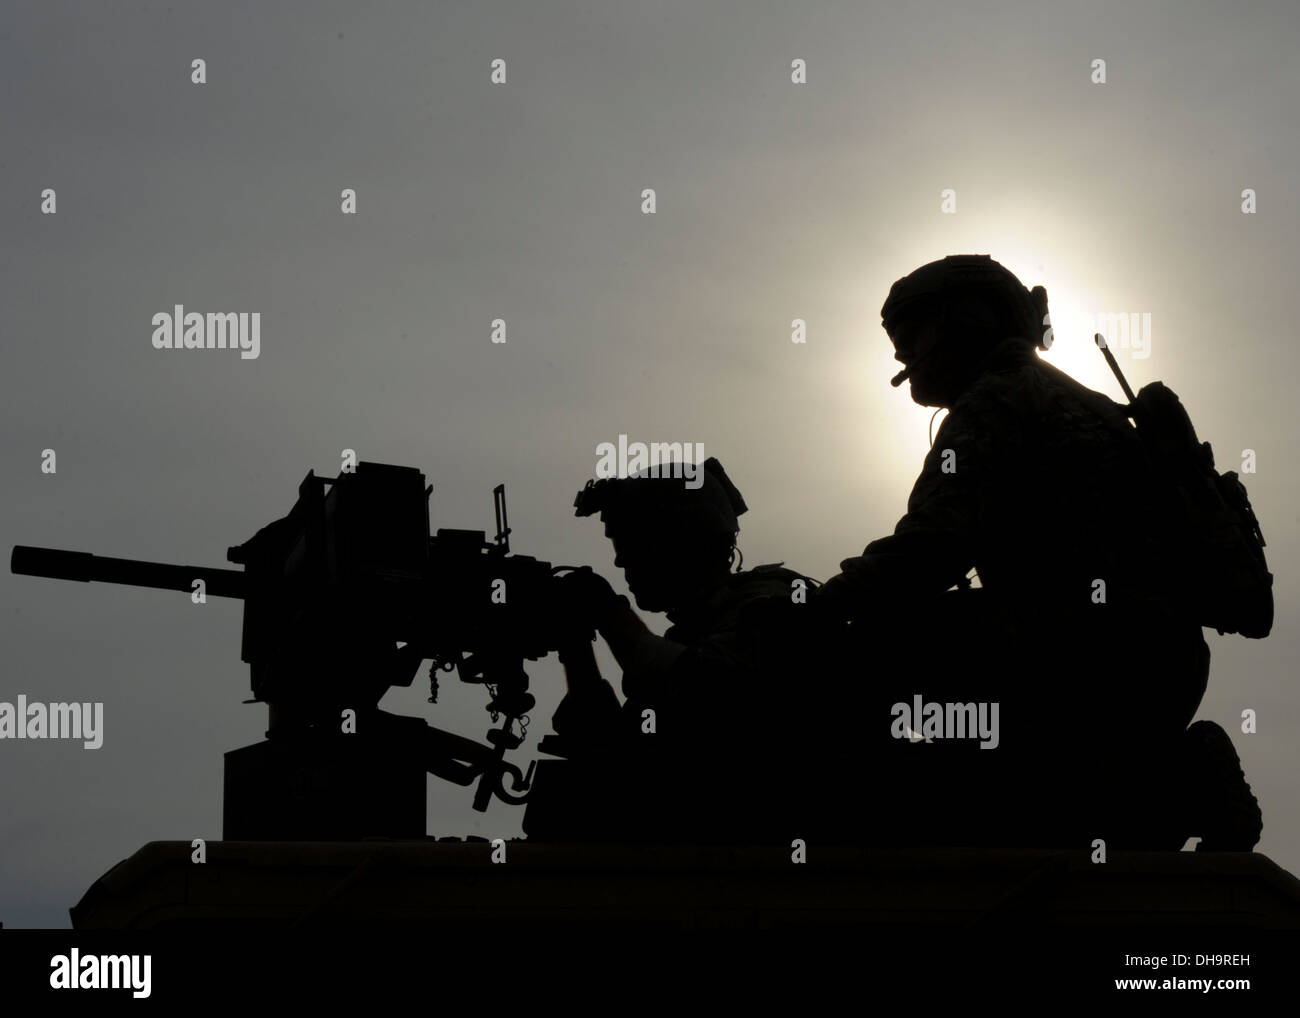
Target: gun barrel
{"x":82,"y":566}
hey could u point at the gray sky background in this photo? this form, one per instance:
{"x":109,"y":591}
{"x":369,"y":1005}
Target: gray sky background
{"x":522,"y":201}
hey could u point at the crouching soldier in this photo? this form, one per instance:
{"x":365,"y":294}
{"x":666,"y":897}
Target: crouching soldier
{"x":1081,"y":623}
{"x":686,"y":756}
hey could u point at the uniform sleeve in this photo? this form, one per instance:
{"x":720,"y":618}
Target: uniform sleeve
{"x":651,"y":677}
{"x":937,"y":543}
{"x":589,"y":716}
{"x":714,"y":671}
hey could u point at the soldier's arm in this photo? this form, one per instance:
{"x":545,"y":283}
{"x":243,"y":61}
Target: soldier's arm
{"x":643,"y":656}
{"x":580,"y":668}
{"x":721,"y":666}
{"x":935,"y":544}
{"x":589,"y":712}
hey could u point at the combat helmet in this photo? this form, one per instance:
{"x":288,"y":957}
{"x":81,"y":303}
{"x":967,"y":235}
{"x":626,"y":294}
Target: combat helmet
{"x":944,"y":282}
{"x":663,"y":495}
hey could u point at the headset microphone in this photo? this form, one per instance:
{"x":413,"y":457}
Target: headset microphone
{"x":906,"y":373}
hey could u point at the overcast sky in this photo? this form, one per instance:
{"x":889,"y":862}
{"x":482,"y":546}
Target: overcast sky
{"x":522,"y":201}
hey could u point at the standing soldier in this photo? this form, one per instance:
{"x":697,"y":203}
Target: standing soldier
{"x":1042,"y":487}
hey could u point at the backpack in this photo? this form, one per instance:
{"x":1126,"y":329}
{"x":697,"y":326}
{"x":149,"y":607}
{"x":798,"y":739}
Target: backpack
{"x":1212,"y":529}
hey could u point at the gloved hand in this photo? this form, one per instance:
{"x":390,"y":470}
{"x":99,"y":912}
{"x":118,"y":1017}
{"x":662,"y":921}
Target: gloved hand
{"x":587,"y":599}
{"x":841,"y":597}
{"x":589,"y":715}
{"x":781,"y":630}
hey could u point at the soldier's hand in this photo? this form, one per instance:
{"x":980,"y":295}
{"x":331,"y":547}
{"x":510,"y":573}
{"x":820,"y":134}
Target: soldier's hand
{"x":587,"y":597}
{"x":760,"y":615}
{"x":589,"y":714}
{"x":832,"y":595}
{"x":778,"y":628}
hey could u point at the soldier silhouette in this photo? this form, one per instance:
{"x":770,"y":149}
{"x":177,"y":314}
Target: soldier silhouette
{"x":1040,"y":486}
{"x":666,"y":764}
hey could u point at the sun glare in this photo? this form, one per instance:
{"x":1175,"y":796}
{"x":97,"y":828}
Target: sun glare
{"x":1074,"y":320}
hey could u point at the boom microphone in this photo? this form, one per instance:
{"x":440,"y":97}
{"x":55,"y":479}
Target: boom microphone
{"x":906,"y":373}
